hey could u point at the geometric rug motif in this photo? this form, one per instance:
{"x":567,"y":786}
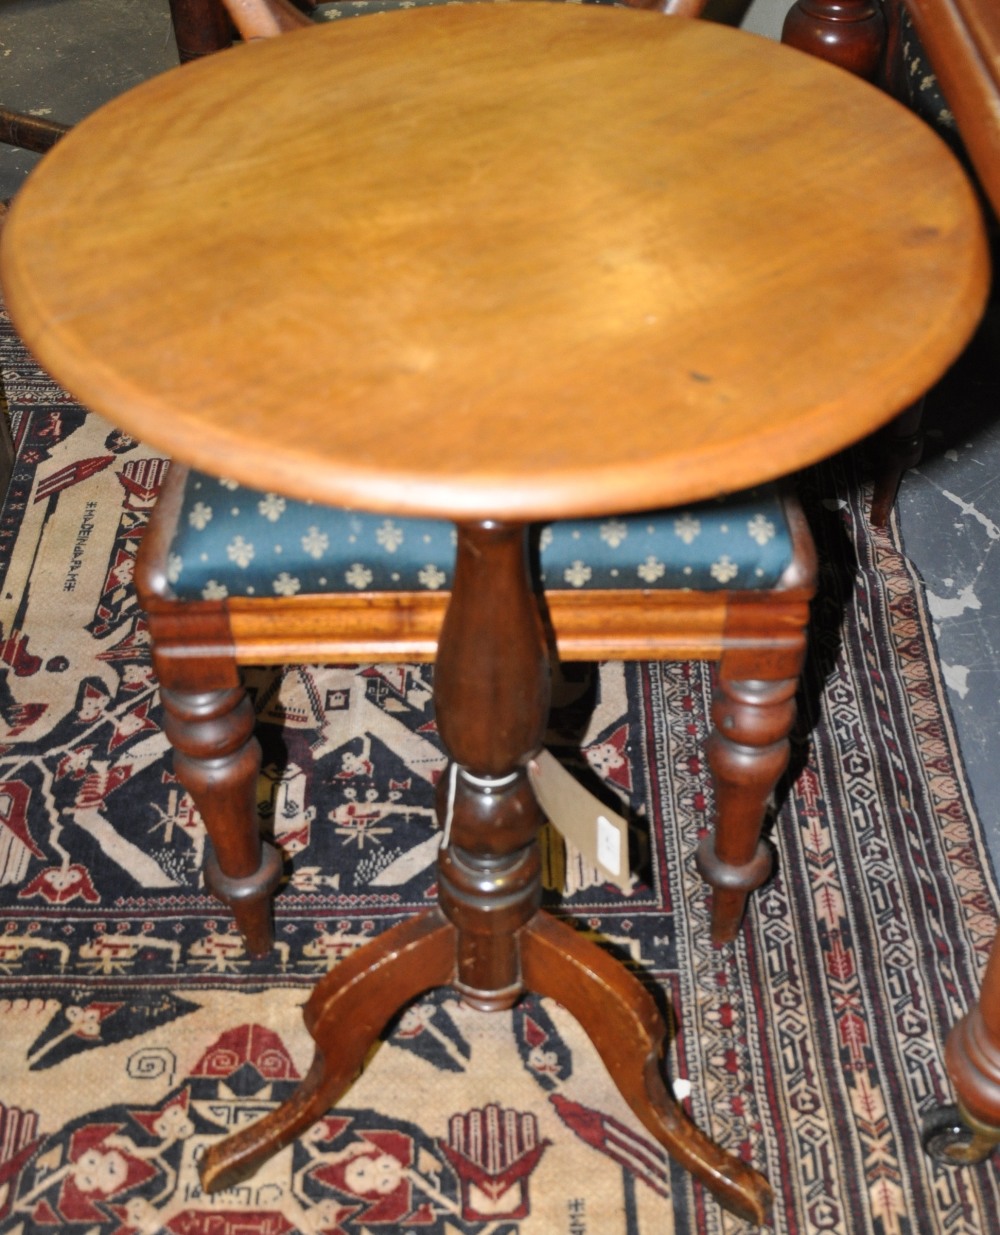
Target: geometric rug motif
{"x":137,"y":1030}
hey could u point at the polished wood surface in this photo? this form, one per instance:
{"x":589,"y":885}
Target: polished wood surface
{"x":700,"y":284}
{"x":962,"y":40}
{"x":848,"y":33}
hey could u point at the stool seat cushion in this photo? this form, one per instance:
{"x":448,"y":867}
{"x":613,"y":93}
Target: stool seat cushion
{"x":234,"y":541}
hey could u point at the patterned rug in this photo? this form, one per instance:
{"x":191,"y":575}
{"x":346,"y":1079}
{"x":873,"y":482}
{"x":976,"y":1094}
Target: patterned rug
{"x":136,"y":1030}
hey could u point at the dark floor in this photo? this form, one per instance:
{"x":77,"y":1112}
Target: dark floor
{"x":61,"y":58}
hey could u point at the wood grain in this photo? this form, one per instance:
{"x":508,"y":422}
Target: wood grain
{"x":512,"y":261}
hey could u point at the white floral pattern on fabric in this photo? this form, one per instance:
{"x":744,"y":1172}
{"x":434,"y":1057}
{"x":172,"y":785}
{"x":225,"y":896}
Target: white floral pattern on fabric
{"x":240,"y":551}
{"x":613,"y":532}
{"x":359,"y":576}
{"x":760,"y":529}
{"x":272,"y":507}
{"x":231,"y":541}
{"x":175,"y":564}
{"x":650,"y":570}
{"x":389,"y":536}
{"x":286,"y":585}
{"x":432,"y":578}
{"x":315,"y":542}
{"x":724,"y":570}
{"x":200,"y":515}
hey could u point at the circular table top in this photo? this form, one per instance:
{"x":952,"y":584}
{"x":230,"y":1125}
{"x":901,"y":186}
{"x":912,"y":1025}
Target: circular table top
{"x":514,"y":260}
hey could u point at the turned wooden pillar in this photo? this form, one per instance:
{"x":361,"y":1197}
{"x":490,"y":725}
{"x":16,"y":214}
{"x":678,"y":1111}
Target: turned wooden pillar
{"x":492,"y":690}
{"x":747,"y":751}
{"x":217,"y":760}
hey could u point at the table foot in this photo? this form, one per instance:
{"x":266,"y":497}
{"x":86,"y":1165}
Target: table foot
{"x":345,"y":1014}
{"x":621,"y":1019}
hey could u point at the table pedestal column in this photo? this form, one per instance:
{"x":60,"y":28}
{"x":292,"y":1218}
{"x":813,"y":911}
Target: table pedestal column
{"x":488,"y":938}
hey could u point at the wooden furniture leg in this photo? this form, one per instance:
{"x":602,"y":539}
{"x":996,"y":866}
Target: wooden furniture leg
{"x":492,"y":942}
{"x":29,"y":132}
{"x":621,"y":1019}
{"x":971,"y":1132}
{"x":217,"y":760}
{"x":345,"y":1014}
{"x":747,"y":751}
{"x":901,"y":448}
{"x":201,"y":27}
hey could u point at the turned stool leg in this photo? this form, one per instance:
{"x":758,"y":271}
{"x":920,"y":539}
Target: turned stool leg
{"x":972,"y":1056}
{"x":747,"y":751}
{"x":217,"y":760}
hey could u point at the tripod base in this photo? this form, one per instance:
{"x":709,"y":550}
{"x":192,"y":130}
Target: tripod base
{"x":350,"y":1007}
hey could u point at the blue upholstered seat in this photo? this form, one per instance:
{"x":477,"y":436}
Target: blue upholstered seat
{"x":235,"y":541}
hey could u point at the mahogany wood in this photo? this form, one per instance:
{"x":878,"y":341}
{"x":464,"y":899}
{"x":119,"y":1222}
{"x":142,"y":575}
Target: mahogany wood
{"x":624,"y":1025}
{"x":201,"y":27}
{"x":538,"y":309}
{"x":29,"y":132}
{"x":345,"y":1014}
{"x":848,"y":33}
{"x":217,"y":760}
{"x":962,"y":41}
{"x":972,"y":1055}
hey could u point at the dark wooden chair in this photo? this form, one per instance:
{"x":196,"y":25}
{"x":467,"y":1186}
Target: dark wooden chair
{"x":935,"y":57}
{"x":942,"y":58}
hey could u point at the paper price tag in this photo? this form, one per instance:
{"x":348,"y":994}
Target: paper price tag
{"x":583,"y":820}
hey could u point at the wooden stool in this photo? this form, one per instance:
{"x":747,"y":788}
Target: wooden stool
{"x":522,"y":285}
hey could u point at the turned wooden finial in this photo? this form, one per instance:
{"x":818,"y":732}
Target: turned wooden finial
{"x":849,"y":33}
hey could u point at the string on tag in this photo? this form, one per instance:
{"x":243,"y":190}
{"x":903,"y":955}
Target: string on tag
{"x":480,"y":782}
{"x":449,"y":810}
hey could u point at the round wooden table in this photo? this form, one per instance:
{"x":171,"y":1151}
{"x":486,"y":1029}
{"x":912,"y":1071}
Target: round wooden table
{"x":497,"y":263}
